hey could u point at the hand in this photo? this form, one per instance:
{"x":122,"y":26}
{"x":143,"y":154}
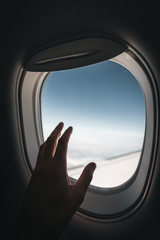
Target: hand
{"x":51,"y":200}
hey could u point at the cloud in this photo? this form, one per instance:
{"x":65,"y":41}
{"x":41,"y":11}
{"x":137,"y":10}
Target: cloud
{"x":98,"y":143}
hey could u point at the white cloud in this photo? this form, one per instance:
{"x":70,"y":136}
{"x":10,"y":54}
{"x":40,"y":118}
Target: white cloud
{"x":103,"y":143}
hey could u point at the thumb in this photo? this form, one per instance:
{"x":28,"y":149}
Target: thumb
{"x":84,"y":180}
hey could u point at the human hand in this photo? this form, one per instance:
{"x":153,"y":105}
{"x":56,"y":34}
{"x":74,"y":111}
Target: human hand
{"x":51,"y":200}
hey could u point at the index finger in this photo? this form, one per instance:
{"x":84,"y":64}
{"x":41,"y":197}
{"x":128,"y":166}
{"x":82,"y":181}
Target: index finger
{"x":51,"y":142}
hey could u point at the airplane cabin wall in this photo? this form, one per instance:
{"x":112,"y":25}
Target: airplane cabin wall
{"x":29,"y":27}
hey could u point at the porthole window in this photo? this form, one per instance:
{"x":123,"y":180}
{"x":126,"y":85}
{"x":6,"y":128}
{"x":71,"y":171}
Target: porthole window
{"x":105,"y":105}
{"x":106,"y":91}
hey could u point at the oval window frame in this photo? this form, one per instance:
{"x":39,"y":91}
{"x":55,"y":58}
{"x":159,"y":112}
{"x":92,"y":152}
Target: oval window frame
{"x":98,"y":203}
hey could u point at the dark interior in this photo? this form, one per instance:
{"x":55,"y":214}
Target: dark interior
{"x":27,"y":28}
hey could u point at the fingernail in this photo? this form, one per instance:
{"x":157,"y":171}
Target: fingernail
{"x":70,"y":129}
{"x":61,"y":124}
{"x":93,"y":166}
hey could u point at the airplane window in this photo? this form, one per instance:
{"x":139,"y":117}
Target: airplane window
{"x":105,"y":105}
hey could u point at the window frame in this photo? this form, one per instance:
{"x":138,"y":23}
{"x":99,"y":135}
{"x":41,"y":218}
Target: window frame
{"x":102,"y":204}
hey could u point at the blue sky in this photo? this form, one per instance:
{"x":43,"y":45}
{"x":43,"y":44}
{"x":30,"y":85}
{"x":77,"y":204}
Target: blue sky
{"x":103,"y":102}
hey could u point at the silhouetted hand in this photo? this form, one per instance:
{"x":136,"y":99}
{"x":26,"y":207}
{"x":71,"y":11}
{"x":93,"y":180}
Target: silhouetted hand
{"x":51,"y":200}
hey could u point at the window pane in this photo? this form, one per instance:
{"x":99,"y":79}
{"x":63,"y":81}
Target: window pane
{"x":105,"y":105}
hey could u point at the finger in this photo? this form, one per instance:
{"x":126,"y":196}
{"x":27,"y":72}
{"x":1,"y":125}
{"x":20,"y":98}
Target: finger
{"x":84,"y":181}
{"x":62,"y":147}
{"x":51,"y":143}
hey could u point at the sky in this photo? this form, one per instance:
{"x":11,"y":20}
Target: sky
{"x":105,"y":105}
